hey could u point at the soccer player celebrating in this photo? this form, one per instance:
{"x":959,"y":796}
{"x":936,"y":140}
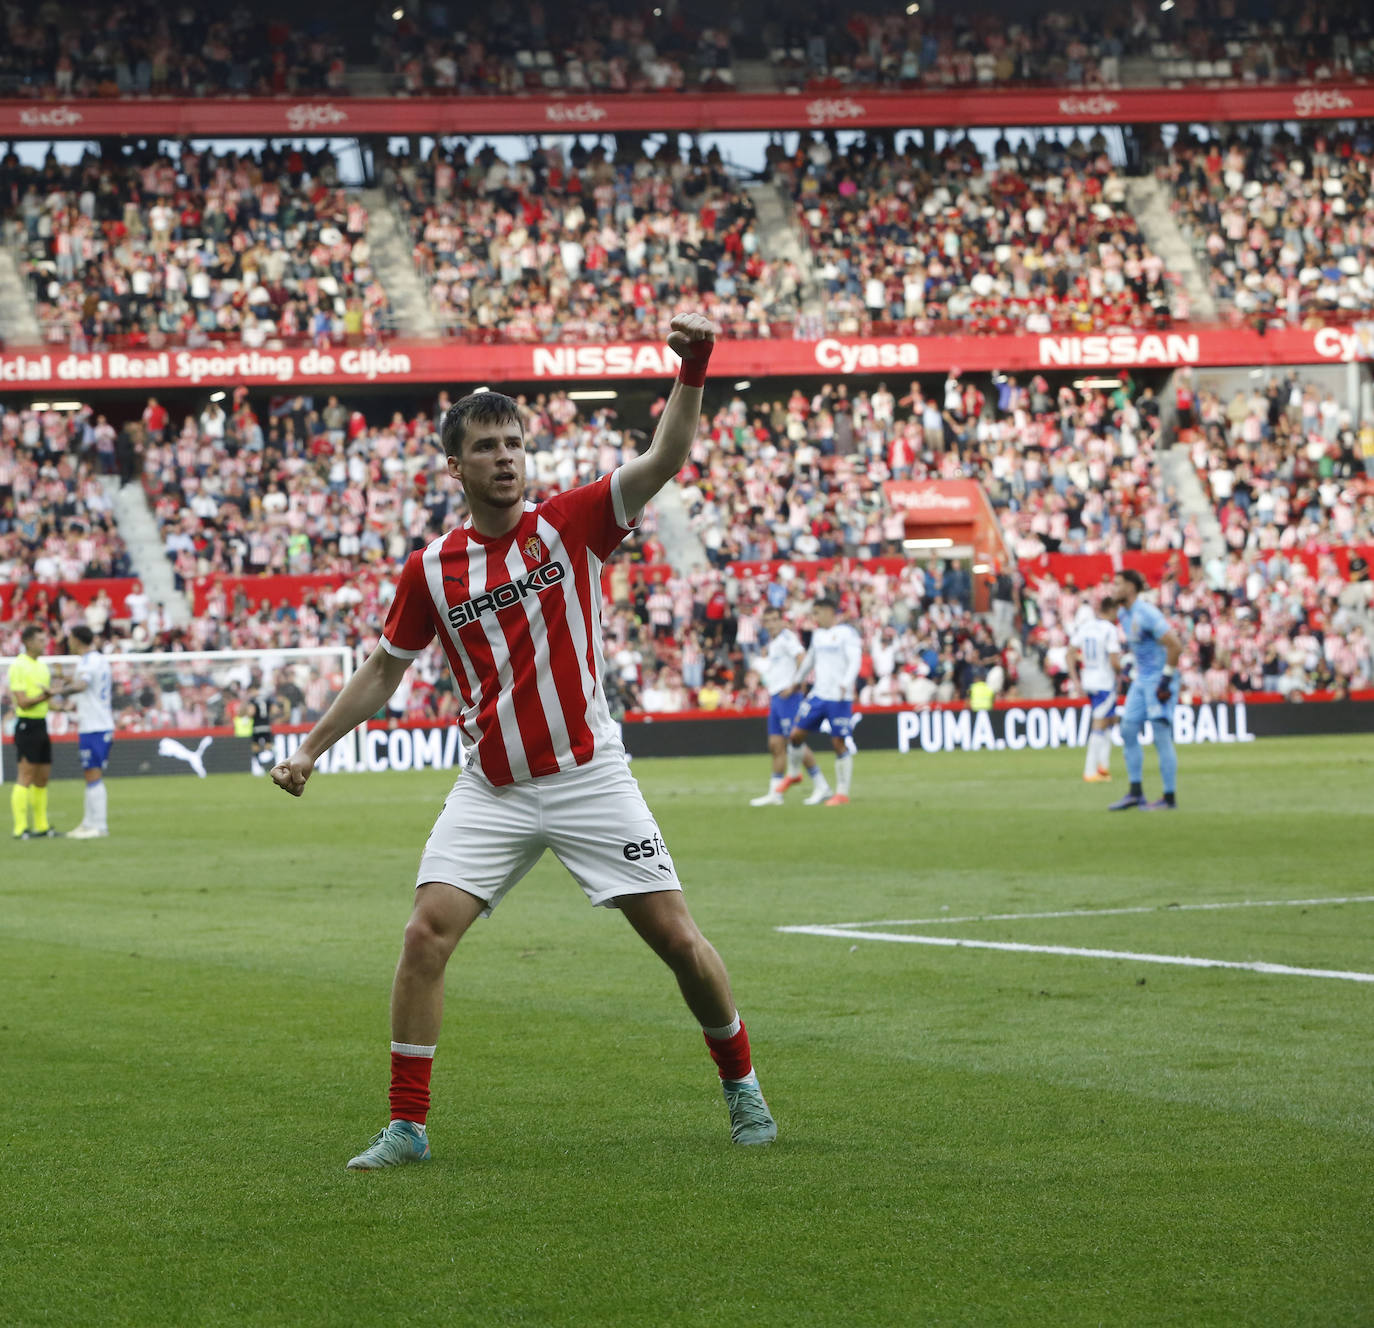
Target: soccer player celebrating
{"x":778,"y":669}
{"x":835,"y":655}
{"x":32,"y":687}
{"x":1094,"y":661}
{"x":1153,"y":691}
{"x":94,"y":690}
{"x":514,"y":596}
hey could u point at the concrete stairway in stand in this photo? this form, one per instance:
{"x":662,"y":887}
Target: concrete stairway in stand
{"x":393,"y":261}
{"x":1194,"y":503}
{"x":1032,"y":684}
{"x":682,"y":544}
{"x":18,"y":322}
{"x":146,"y":550}
{"x":781,"y":238}
{"x":1149,"y":204}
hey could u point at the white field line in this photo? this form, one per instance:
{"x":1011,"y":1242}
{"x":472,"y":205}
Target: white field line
{"x":1187,"y":961}
{"x":1102,"y":912}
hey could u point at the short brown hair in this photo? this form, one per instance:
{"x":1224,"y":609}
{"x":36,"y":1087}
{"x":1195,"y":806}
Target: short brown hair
{"x":32,"y":630}
{"x":475,"y":408}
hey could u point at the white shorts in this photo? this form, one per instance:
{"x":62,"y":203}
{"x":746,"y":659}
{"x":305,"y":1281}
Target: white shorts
{"x":594,"y":818}
{"x":1103,"y":703}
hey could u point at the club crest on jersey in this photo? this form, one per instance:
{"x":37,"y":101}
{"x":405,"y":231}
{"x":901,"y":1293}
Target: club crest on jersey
{"x":533,"y":547}
{"x":490,"y":601}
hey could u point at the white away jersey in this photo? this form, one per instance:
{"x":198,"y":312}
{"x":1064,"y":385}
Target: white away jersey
{"x":778,"y":667}
{"x":836,"y":654}
{"x":519,"y":618}
{"x":95,"y":706}
{"x":1096,"y":641}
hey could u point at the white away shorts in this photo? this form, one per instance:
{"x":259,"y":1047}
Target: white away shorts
{"x":594,"y":818}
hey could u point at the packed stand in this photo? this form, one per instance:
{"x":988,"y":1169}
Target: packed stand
{"x":313,"y":487}
{"x":1284,"y":225}
{"x":694,"y":642}
{"x":1262,"y":622}
{"x":187,"y":248}
{"x":588,"y":247}
{"x":829,"y":47}
{"x":592,"y":50}
{"x":139,"y":49}
{"x":310,"y":489}
{"x":1286,"y":466}
{"x":801,"y":476}
{"x":56,"y":520}
{"x":1296,"y":42}
{"x":1037,"y":239}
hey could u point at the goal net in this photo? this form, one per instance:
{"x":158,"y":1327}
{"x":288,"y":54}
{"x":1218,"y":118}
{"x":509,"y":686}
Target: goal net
{"x":180,"y":710}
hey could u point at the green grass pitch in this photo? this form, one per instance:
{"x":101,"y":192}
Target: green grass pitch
{"x":193,"y":1040}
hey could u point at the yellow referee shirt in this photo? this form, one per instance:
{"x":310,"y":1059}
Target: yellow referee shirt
{"x":30,"y":676}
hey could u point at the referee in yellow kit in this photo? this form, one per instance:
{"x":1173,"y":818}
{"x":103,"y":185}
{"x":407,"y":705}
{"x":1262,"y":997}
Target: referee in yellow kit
{"x":32,"y":688}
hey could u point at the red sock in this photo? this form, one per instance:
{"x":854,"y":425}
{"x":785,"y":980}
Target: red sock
{"x":731,"y":1054}
{"x":410,"y":1086}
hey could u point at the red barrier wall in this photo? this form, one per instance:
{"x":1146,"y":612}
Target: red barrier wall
{"x":13,"y":603}
{"x":693,"y":112}
{"x":399,"y":362}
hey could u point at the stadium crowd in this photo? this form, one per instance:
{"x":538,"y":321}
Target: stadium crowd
{"x":1037,"y":238}
{"x":1285,"y":467}
{"x":1284,"y":224}
{"x":857,"y":48}
{"x":187,"y":247}
{"x":829,"y":46}
{"x":801,"y":476}
{"x":316,"y":488}
{"x":589,"y":246}
{"x":136,"y":48}
{"x":496,"y":48}
{"x":1261,"y":622}
{"x":56,"y":519}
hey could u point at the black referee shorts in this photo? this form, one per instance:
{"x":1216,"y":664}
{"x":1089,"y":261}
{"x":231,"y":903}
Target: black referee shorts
{"x":31,"y":741}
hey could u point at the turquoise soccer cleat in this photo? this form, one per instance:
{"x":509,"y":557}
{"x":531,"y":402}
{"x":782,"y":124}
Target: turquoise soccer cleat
{"x":750,"y":1120}
{"x":399,"y":1143}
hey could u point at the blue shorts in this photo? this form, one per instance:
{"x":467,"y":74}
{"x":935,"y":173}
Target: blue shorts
{"x":1103,"y":704}
{"x":1142,"y":704}
{"x":814,"y":712}
{"x":782,"y":713}
{"x":95,"y":749}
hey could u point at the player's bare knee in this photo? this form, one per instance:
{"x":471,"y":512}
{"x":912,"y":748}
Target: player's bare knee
{"x":683,"y":948}
{"x":427,"y":941}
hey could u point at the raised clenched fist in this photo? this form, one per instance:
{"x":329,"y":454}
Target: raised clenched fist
{"x":692,"y":339}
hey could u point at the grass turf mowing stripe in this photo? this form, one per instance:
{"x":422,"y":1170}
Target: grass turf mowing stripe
{"x":1186,"y":961}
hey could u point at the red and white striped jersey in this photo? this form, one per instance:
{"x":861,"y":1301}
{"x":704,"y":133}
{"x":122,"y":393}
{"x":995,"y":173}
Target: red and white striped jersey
{"x":519,"y":617}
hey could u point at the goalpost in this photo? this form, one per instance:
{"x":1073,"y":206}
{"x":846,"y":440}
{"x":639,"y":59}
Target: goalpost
{"x":175,"y":694}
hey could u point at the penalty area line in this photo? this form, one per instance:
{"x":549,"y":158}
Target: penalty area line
{"x":1108,"y":912}
{"x":1185,"y":961}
